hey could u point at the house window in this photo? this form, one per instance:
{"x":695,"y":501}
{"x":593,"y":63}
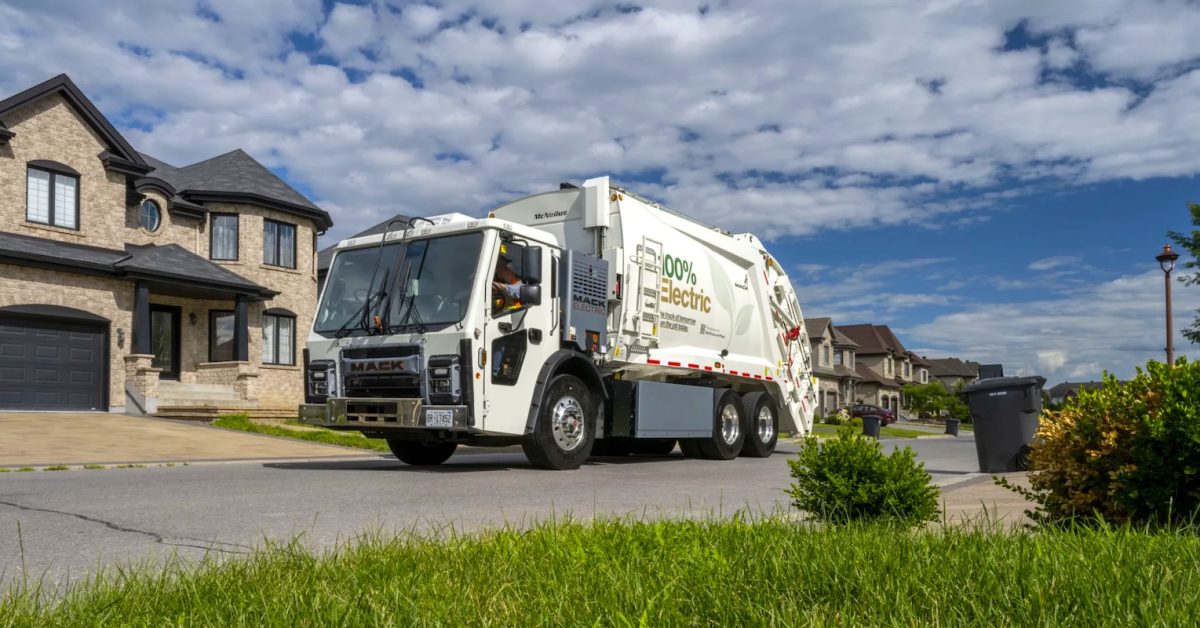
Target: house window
{"x":220,"y":336}
{"x":52,"y":197}
{"x":223,"y":237}
{"x":279,"y":244}
{"x":279,"y":339}
{"x":839,"y":358}
{"x":149,"y":216}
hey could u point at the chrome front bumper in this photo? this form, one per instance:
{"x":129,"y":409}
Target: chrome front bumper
{"x":384,"y":414}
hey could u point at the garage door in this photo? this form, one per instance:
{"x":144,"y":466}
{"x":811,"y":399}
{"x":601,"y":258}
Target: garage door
{"x":51,"y":365}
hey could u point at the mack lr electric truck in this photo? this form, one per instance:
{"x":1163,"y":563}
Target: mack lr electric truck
{"x":577,"y":322}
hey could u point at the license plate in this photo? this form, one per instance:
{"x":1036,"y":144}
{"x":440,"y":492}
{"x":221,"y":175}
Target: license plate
{"x":439,"y":418}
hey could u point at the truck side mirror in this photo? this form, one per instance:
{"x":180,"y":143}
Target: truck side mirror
{"x":531,"y":294}
{"x":531,"y":266}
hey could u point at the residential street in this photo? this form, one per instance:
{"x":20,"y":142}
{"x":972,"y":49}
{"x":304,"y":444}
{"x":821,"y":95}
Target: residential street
{"x":62,"y":524}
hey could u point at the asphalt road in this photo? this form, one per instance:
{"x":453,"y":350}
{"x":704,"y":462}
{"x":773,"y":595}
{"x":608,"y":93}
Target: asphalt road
{"x":62,"y":525}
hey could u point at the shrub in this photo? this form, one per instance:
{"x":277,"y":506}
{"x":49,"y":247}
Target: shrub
{"x":841,"y":417}
{"x":848,"y":478}
{"x":1125,"y":453}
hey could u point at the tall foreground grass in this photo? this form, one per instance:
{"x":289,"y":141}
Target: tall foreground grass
{"x":664,"y":573}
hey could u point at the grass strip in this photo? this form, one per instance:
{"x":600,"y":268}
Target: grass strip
{"x":900,"y":432}
{"x":242,"y":423}
{"x":773,"y":572}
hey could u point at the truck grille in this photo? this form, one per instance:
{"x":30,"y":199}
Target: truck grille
{"x":399,"y":376}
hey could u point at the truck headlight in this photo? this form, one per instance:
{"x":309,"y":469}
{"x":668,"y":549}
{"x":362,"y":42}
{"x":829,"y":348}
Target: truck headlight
{"x":316,"y":385}
{"x":444,"y":380}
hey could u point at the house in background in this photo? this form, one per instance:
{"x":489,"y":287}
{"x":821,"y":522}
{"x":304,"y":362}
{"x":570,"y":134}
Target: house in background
{"x":833,"y":360}
{"x":882,"y":361}
{"x":127,"y":283}
{"x":921,"y":368}
{"x":1066,"y":391}
{"x":954,"y":373}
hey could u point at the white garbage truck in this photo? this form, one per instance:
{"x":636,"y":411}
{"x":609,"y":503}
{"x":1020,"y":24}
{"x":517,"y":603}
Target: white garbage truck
{"x":576,"y":322}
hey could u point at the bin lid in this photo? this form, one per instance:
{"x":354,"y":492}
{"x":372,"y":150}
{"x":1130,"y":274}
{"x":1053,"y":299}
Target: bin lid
{"x":1006,"y":382}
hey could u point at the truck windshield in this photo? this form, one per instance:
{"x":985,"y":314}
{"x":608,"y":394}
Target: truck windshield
{"x":431,"y":286}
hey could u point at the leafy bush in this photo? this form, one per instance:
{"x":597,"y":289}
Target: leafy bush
{"x":848,"y":478}
{"x":1127,"y":452}
{"x":841,"y":417}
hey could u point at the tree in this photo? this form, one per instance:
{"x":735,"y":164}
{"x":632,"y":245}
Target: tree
{"x":925,"y":399}
{"x":1191,"y":244}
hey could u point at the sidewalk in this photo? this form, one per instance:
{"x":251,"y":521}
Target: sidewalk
{"x":44,"y":438}
{"x":980,"y":500}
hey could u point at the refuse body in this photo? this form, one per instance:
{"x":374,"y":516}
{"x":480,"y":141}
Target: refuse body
{"x":871,"y":425}
{"x":1005,"y":412}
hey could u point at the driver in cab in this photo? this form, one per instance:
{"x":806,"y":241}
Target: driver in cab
{"x":506,"y":284}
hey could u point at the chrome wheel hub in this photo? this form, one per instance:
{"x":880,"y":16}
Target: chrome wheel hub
{"x":567,"y":423}
{"x":765,"y":424}
{"x":730,"y":426}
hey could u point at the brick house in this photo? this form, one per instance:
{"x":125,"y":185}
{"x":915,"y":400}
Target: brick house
{"x":130,"y":284}
{"x":882,"y":362}
{"x":954,"y":373}
{"x":833,"y":365}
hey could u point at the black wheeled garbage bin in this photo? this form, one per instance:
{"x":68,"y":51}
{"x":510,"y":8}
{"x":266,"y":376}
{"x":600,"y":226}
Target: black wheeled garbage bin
{"x":1005,"y":412}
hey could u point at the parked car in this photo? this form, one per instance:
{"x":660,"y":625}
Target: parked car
{"x":887,"y":417}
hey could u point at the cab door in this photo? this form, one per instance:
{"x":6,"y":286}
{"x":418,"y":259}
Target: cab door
{"x":517,"y":332}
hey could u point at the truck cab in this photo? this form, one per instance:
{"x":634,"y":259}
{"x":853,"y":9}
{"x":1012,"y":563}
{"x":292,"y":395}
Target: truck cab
{"x":432,"y":335}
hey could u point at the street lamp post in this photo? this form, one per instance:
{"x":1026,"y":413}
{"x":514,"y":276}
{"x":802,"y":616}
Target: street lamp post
{"x":1166,"y":261}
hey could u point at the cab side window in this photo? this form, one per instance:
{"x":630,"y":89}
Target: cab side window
{"x":508,"y":279}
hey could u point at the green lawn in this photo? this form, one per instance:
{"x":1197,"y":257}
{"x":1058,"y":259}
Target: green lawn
{"x":330,"y":437}
{"x":822,"y":430}
{"x":773,"y":572}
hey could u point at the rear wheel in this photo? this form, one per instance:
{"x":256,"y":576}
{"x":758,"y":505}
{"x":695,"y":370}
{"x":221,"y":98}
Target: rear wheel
{"x":565,"y":430}
{"x":728,"y":435}
{"x":762,"y":425}
{"x":653,"y":446}
{"x":421,"y":453}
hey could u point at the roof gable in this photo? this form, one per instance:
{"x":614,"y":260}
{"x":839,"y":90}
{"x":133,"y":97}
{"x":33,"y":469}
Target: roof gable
{"x":817,"y":327}
{"x":120,"y":154}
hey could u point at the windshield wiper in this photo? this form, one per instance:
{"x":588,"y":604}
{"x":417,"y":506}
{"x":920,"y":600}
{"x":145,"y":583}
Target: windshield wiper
{"x":362,"y":314}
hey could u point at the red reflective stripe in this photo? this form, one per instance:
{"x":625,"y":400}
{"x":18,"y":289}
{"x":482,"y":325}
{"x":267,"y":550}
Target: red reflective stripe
{"x":757,"y":376}
{"x":648,"y":361}
{"x":708,"y":368}
{"x":770,"y":379}
{"x":674,"y":364}
{"x":693,"y":366}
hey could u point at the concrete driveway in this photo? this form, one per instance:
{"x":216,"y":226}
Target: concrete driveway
{"x":49,"y":438}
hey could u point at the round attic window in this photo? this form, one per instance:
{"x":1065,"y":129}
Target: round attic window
{"x":149,"y":216}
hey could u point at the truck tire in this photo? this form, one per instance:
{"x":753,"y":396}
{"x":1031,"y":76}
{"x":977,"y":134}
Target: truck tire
{"x":565,"y":430}
{"x":762,"y":425}
{"x":421,"y":453}
{"x":728,"y":429}
{"x":691,"y":447}
{"x":653,"y":446}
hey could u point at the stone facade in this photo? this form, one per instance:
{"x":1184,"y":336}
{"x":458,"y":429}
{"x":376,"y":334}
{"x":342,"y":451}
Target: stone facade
{"x":50,"y":128}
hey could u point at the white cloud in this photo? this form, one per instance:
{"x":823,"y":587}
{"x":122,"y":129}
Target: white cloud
{"x":761,"y":115}
{"x":1057,"y":261}
{"x":1113,"y":326}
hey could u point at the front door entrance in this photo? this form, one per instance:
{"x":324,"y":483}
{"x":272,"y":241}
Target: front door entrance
{"x":164,"y":340}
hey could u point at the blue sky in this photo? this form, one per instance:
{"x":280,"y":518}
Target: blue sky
{"x":991,"y":179}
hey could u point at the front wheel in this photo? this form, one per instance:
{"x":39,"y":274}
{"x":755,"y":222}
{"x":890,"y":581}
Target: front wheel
{"x":565,"y":430}
{"x":420,"y":453}
{"x":762,"y":421}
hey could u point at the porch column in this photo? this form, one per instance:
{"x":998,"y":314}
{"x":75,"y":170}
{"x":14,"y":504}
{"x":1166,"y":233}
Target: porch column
{"x":141,"y":318}
{"x":241,"y":329}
